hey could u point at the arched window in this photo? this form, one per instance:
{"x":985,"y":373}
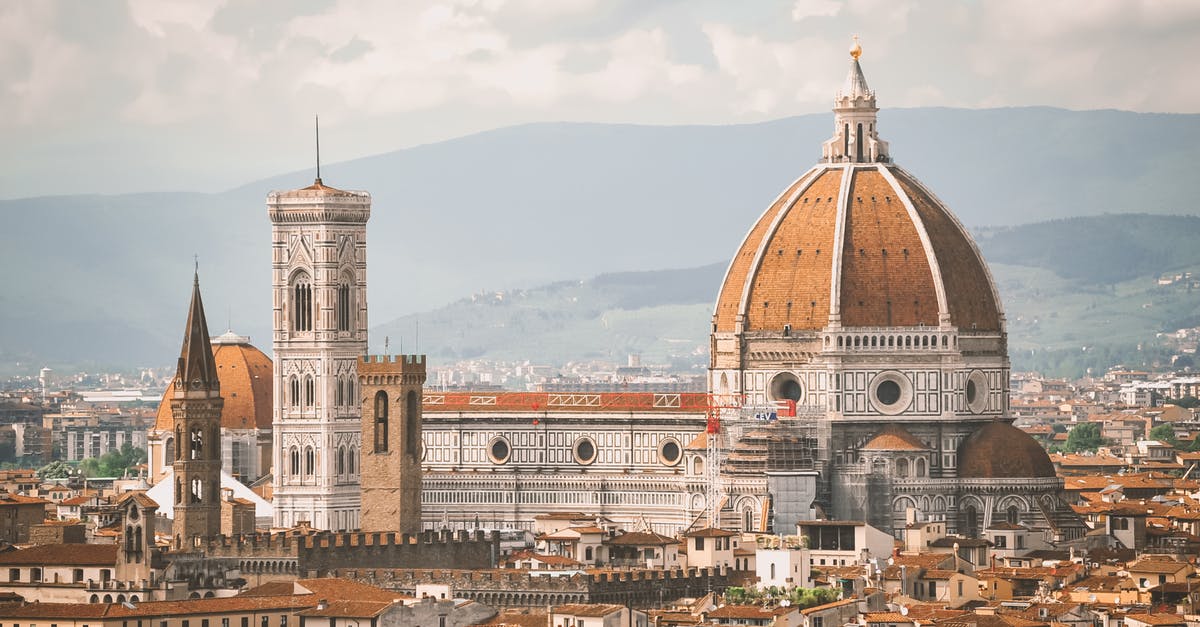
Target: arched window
{"x":350,"y":460}
{"x":772,"y":570}
{"x":969,"y":522}
{"x":196,"y":444}
{"x":920,"y":467}
{"x":858,"y":148}
{"x":846,"y":140}
{"x":1014,"y":515}
{"x":341,"y":460}
{"x":301,"y":303}
{"x":310,"y":461}
{"x":381,"y":422}
{"x":345,"y":311}
{"x":295,"y":459}
{"x":179,"y":439}
{"x":412,"y":424}
{"x":310,"y":392}
{"x":169,"y":451}
{"x":587,"y":554}
{"x":902,"y":468}
{"x":339,"y":396}
{"x":294,"y":399}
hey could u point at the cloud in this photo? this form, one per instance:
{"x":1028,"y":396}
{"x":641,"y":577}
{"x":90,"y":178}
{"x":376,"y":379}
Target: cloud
{"x":198,"y":76}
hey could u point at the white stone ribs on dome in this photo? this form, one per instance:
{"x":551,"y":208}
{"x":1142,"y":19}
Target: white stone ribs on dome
{"x":744,"y":304}
{"x":999,"y":304}
{"x":931,"y":256}
{"x":839,"y":240}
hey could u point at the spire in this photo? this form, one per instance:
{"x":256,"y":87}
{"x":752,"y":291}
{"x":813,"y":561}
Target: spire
{"x":317,"y":125}
{"x":197,"y":368}
{"x":855,"y":139}
{"x":856,"y":84}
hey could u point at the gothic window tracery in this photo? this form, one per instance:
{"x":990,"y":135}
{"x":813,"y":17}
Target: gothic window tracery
{"x":302,"y":303}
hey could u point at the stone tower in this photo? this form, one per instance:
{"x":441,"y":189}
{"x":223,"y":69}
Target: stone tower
{"x":138,"y":513}
{"x":319,"y":279}
{"x":196,"y":413}
{"x":391,"y":435}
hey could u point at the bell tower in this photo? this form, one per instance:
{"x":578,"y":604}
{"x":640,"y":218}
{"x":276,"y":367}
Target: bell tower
{"x":319,"y":294}
{"x":196,"y":416}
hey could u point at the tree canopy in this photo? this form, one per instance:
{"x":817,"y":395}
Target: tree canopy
{"x":1164,"y":433}
{"x":1084,"y":437}
{"x":113,"y":463}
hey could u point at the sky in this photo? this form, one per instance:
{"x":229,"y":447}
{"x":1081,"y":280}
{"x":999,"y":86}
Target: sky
{"x":108,"y":96}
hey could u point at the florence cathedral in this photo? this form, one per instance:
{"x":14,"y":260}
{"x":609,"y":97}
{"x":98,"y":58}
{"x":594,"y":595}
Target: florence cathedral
{"x":859,"y":371}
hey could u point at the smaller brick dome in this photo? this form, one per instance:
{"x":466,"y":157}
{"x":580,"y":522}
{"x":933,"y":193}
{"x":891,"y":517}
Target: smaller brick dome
{"x":999,"y":450}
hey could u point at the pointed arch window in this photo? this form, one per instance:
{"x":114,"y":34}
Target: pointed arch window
{"x":295,"y":461}
{"x":351,"y":459}
{"x":294,"y":398}
{"x":340,"y":394}
{"x":302,"y":303}
{"x":310,"y":392}
{"x":341,"y":460}
{"x":310,"y":461}
{"x":345,"y":307}
{"x":381,"y":422}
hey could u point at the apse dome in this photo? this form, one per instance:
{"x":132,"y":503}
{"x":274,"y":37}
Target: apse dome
{"x":999,"y":450}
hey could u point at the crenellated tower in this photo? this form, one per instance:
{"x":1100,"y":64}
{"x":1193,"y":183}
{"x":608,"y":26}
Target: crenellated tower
{"x":319,"y":285}
{"x":196,"y":416}
{"x":392,"y":449}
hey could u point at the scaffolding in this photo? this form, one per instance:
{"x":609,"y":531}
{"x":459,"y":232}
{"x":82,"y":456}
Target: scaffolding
{"x":752,"y":439}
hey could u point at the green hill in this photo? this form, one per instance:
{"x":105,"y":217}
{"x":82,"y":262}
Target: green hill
{"x":104,"y":279}
{"x":1064,"y":315}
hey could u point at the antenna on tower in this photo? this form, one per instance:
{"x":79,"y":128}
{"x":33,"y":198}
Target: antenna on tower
{"x":317,"y":124}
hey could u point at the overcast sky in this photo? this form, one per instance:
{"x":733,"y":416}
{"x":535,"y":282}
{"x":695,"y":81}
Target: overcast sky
{"x":140,"y":95}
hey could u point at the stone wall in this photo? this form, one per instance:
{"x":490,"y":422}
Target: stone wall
{"x":522,"y":588}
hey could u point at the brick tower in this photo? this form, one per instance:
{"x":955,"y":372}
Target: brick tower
{"x":196,"y":413}
{"x":391,"y":436}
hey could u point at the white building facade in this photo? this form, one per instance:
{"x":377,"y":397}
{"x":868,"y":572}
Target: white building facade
{"x":319,"y":296}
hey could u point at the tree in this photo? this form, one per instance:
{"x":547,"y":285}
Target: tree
{"x":1187,"y":402}
{"x":54,"y":470}
{"x":1084,"y":437}
{"x":113,"y":463}
{"x":1164,"y":433}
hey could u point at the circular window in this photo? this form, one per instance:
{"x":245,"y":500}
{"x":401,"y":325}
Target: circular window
{"x":891,"y":392}
{"x":669,"y":452}
{"x":786,"y":387}
{"x":498,"y":450}
{"x":888,"y":392}
{"x":585,"y":450}
{"x":975,"y":391}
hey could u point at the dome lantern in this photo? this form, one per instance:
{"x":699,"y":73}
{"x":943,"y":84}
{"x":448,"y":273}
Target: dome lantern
{"x":855,"y":139}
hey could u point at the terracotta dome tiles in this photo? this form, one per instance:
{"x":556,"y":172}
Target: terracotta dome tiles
{"x":887,"y":278}
{"x":245,"y":376}
{"x":791,"y":285}
{"x":999,"y":450}
{"x":969,"y":294}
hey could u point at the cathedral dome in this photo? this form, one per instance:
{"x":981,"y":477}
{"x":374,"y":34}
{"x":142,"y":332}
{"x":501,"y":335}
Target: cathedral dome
{"x":245,"y":376}
{"x":999,"y":450}
{"x":856,"y":241}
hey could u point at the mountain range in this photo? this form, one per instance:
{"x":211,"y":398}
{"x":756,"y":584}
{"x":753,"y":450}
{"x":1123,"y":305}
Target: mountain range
{"x":103,"y":280}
